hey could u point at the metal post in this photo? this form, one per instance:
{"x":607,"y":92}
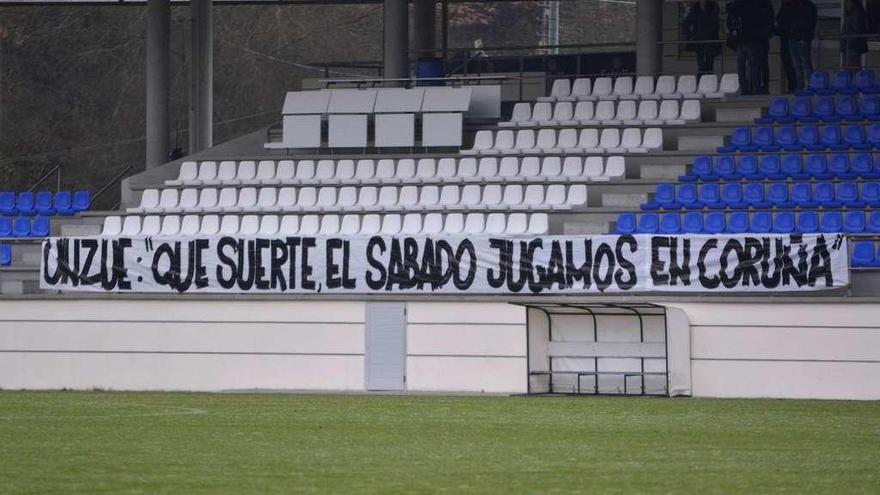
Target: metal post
{"x":396,"y":33}
{"x":158,"y":29}
{"x":424,"y":27}
{"x":649,"y":20}
{"x":201,"y":104}
{"x":444,"y":5}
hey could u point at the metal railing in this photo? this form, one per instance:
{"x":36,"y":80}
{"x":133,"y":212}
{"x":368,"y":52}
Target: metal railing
{"x":55,"y":170}
{"x":116,"y":178}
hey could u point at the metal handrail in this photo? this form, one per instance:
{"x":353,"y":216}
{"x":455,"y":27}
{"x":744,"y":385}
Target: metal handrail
{"x":113,"y":181}
{"x":53,"y":170}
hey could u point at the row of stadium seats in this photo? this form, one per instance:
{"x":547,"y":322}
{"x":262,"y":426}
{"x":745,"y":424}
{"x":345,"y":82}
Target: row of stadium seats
{"x":626,"y":112}
{"x":44,"y":203}
{"x":25,"y":226}
{"x":865,"y":255}
{"x":386,"y":198}
{"x":665,"y":87}
{"x":841,"y":82}
{"x":776,"y":167}
{"x":428,"y":170}
{"x":272,"y":225}
{"x":549,"y":141}
{"x":809,"y":110}
{"x":716,"y":222}
{"x":805,"y":138}
{"x":755,"y":195}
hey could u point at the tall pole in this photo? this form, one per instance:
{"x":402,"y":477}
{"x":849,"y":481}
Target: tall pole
{"x":201,"y":134}
{"x":649,"y":24}
{"x":396,"y":33}
{"x":424,"y":28}
{"x":158,"y":29}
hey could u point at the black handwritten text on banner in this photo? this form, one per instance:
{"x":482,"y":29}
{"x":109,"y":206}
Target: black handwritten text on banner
{"x":475,"y":265}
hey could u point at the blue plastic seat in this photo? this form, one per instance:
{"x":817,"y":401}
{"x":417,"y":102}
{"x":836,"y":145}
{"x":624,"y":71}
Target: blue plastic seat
{"x":741,"y":140}
{"x":701,"y":170}
{"x":771,"y":167}
{"x":832,"y":138}
{"x":764,"y":139}
{"x":808,"y":137}
{"x":626,"y":224}
{"x":842,"y":84}
{"x":824,"y":195}
{"x":870,"y":107}
{"x":793,"y":167}
{"x":819,"y":84}
{"x":777,"y":194}
{"x":786,"y":139}
{"x":761,"y":222}
{"x":710,"y":195}
{"x":817,"y":167}
{"x":732,"y":195}
{"x":82,"y":201}
{"x":824,"y":110}
{"x":753,"y":195}
{"x":7,"y":203}
{"x":21,"y":227}
{"x":670,"y":223}
{"x":5,"y":227}
{"x":802,"y":195}
{"x":725,"y":168}
{"x":847,"y":194}
{"x":854,"y":137}
{"x":738,"y":222}
{"x":714,"y":223}
{"x":687,"y":196}
{"x":839,"y":167}
{"x":870,"y":194}
{"x":40,"y":227}
{"x":862,"y":165}
{"x":848,"y":109}
{"x":777,"y":112}
{"x":747,"y":167}
{"x":808,"y":222}
{"x":693,"y":222}
{"x":832,"y":221}
{"x":872,"y":139}
{"x":26,"y":203}
{"x":44,"y":203}
{"x":854,"y":222}
{"x":649,"y":223}
{"x":664,"y":197}
{"x":873,"y":222}
{"x":863,"y":255}
{"x":5,"y":254}
{"x":64,"y":203}
{"x":801,"y":109}
{"x":864,"y":81}
{"x":783,"y":222}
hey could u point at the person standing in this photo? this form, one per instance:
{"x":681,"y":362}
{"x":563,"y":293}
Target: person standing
{"x":702,"y":24}
{"x":796,"y":26}
{"x":750,"y":24}
{"x":855,"y":22}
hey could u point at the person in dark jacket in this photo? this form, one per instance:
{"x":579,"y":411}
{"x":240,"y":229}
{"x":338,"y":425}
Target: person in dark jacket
{"x":855,"y":22}
{"x":796,"y":26}
{"x":702,"y":24}
{"x":750,"y":25}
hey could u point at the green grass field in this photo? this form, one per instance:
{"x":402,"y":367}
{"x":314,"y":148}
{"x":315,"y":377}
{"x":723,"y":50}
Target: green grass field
{"x":64,"y":442}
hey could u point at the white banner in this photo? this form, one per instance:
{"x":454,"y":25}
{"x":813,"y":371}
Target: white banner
{"x":447,"y":265}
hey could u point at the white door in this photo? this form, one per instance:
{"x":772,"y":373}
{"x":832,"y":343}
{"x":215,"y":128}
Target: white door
{"x":385,"y":354}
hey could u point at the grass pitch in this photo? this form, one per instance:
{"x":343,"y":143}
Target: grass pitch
{"x":63,"y":442}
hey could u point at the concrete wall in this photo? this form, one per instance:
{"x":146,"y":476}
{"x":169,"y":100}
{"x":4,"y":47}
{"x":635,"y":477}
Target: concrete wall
{"x":809,"y":350}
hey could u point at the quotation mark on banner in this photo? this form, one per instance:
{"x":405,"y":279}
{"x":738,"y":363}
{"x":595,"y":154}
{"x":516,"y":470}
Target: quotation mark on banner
{"x":148,"y":243}
{"x":838,"y":241}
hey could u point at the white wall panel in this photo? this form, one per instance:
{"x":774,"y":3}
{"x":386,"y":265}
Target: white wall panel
{"x":467,"y":340}
{"x":466,"y":374}
{"x":788,"y":343}
{"x":461,"y":312}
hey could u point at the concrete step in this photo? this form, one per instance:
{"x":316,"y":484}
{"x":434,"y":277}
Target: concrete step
{"x":737,"y":115}
{"x":700,"y":143}
{"x":664,"y":172}
{"x":624,"y":200}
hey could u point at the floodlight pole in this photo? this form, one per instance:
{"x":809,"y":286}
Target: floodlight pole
{"x":158,"y":29}
{"x":201,"y":102}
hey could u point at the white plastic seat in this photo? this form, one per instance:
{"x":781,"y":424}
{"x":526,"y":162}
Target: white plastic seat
{"x":491,"y":197}
{"x":387,"y":198}
{"x":289,"y":225}
{"x":368,"y":197}
{"x":690,"y":111}
{"x":426,"y":169}
{"x":429,"y":196}
{"x":266,"y":173}
{"x":615,"y":168}
{"x":577,"y":195}
{"x":467,"y":169}
{"x":453,"y":224}
{"x":305,"y":171}
{"x":623,"y":86}
{"x":446,"y":171}
{"x":496,"y":223}
{"x":210,"y":225}
{"x":208,"y":200}
{"x":605,"y":113}
{"x":412,"y":224}
{"x":708,"y":85}
{"x":246,"y":172}
{"x":669,"y":112}
{"x":226,"y":172}
{"x":603,"y":88}
{"x":555,"y":196}
{"x":188,"y":174}
{"x":488,"y":168}
{"x":371,"y":224}
{"x":546,"y":142}
{"x":250,"y":225}
{"x":644,"y":87}
{"x":610,"y":140}
{"x":344,"y":171}
{"x":309,"y":225}
{"x":729,"y":85}
{"x":112,"y":226}
{"x":649,"y":113}
{"x":593,"y":168}
{"x":530,"y":168}
{"x":687,"y":86}
{"x":227,"y":201}
{"x":229,"y":225}
{"x":329,"y":225}
{"x":391,"y":224}
{"x":285,"y":172}
{"x":149,"y":201}
{"x":168,"y":201}
{"x":573,"y":166}
{"x":503,"y":142}
{"x":267,"y":200}
{"x":522,"y":112}
{"x":326,"y":198}
{"x":348,"y":197}
{"x":406,"y":169}
{"x":534,"y":195}
{"x":148,"y":225}
{"x":588,"y":142}
{"x":326,"y":171}
{"x":542,"y":114}
{"x":513,"y":195}
{"x":567,"y":139}
{"x":471,"y":196}
{"x":509,"y":168}
{"x":188,"y":201}
{"x":538,"y":224}
{"x":190,"y":225}
{"x":665,"y":88}
{"x":286,"y":200}
{"x":432,"y":224}
{"x":306,"y":198}
{"x":585,"y":112}
{"x":626,"y":111}
{"x":483,"y":144}
{"x":582,"y":88}
{"x":525,"y":142}
{"x":474,"y":224}
{"x":551,"y":168}
{"x":563,"y":114}
{"x":207,"y":173}
{"x":449,"y":197}
{"x":351,"y":225}
{"x":409,"y":196}
{"x":268,"y":225}
{"x":517,"y":224}
{"x":631,"y":141}
{"x":652,"y":139}
{"x":385,"y":171}
{"x":560,"y":90}
{"x":365,"y":171}
{"x":247,"y":199}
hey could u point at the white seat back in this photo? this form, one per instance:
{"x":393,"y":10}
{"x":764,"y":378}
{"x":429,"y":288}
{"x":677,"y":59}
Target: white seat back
{"x":496,"y":223}
{"x":309,"y":225}
{"x":229,"y":225}
{"x":190,"y":225}
{"x":210,"y":225}
{"x":170,"y":225}
{"x":250,"y":225}
{"x":289,"y":225}
{"x":268,"y":225}
{"x":112,"y":226}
